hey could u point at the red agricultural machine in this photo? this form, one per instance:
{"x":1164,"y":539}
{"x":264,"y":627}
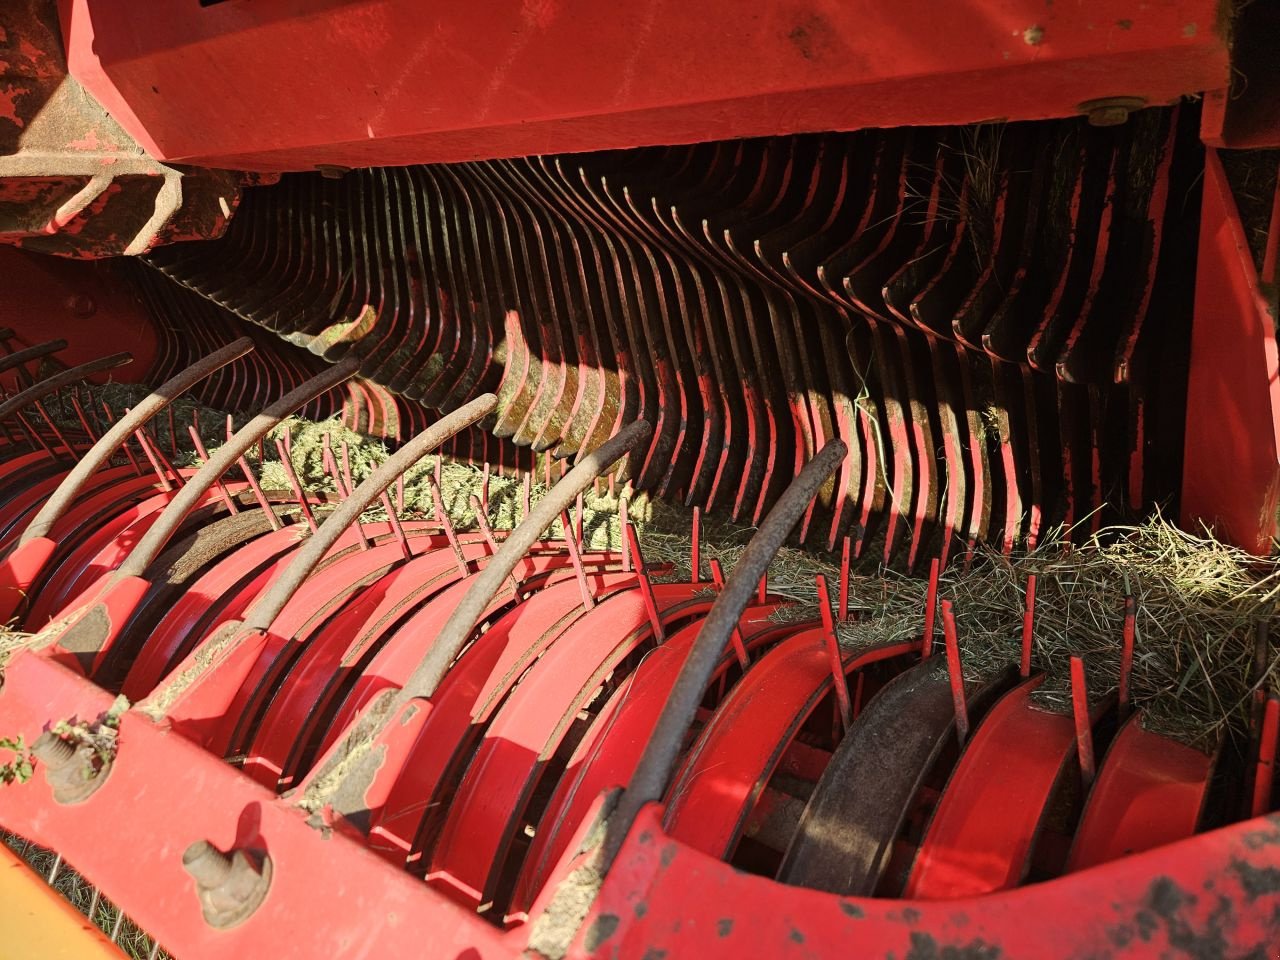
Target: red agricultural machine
{"x":892,"y":283}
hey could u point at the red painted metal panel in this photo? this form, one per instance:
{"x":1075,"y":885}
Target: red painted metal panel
{"x":1231,"y":473}
{"x":281,"y":86}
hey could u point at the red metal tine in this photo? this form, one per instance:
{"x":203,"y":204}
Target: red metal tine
{"x":955,"y":672}
{"x":228,"y":501}
{"x":575,"y":557}
{"x":163,"y":457}
{"x":1126,"y":651}
{"x":258,"y":495}
{"x":624,"y":511}
{"x":930,"y":611}
{"x":53,"y":426}
{"x":482,"y":524}
{"x":89,"y":431}
{"x":833,"y":654}
{"x":735,"y":637}
{"x":150,"y":454}
{"x":437,"y":501}
{"x":397,"y":530}
{"x":580,"y":510}
{"x":845,"y":548}
{"x":762,"y":591}
{"x":346,"y":467}
{"x":1084,"y":728}
{"x":695,"y":547}
{"x":295,"y":485}
{"x":33,"y":433}
{"x":636,"y":558}
{"x":1264,"y":776}
{"x":1028,"y":629}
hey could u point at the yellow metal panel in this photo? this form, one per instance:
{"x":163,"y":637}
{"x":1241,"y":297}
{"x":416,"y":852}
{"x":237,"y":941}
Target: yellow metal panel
{"x":37,"y":923}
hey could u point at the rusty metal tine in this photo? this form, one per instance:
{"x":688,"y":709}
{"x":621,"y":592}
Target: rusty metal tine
{"x":53,"y":426}
{"x":123,"y":446}
{"x":19,"y":357}
{"x":1126,"y":651}
{"x":735,"y":637}
{"x":427,"y":675}
{"x":571,"y":543}
{"x":256,"y":488}
{"x":580,"y":511}
{"x":227,"y":500}
{"x":1084,"y":728}
{"x":839,"y":681}
{"x":695,"y":547}
{"x":930,"y":610}
{"x":857,"y":694}
{"x":653,"y":772}
{"x":141,"y":437}
{"x":286,"y":463}
{"x":269,"y":605}
{"x":442,"y":517}
{"x":346,"y":467}
{"x":484,"y":486}
{"x":845,"y":548}
{"x":154,"y":540}
{"x":1028,"y":629}
{"x":528,"y":494}
{"x":288,"y":444}
{"x":955,"y":672}
{"x":1264,"y":774}
{"x":624,"y":510}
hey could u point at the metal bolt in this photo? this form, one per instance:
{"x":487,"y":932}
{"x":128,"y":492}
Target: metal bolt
{"x":230,"y":885}
{"x":51,"y":750}
{"x":82,"y":305}
{"x":209,"y":865}
{"x":1110,"y":111}
{"x":73,"y":771}
{"x":332,"y":171}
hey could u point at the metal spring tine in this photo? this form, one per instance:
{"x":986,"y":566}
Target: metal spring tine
{"x":37,"y":440}
{"x":116,"y":437}
{"x":832,"y":643}
{"x":632,"y":541}
{"x":930,"y":611}
{"x":144,"y":442}
{"x":115,"y":928}
{"x":163,"y":457}
{"x":486,"y":531}
{"x":400,"y":493}
{"x":653,"y":772}
{"x":266,"y":608}
{"x":227,"y":499}
{"x":124,"y":447}
{"x":446,"y":524}
{"x":528,"y":493}
{"x":158,"y":534}
{"x":93,"y":904}
{"x":89,"y":431}
{"x":1084,"y":728}
{"x":396,"y":528}
{"x":575,"y":557}
{"x":295,"y":485}
{"x":695,"y":547}
{"x":955,"y":672}
{"x":1028,"y":636}
{"x":53,"y":871}
{"x":1126,"y":652}
{"x":624,"y":510}
{"x":484,"y":486}
{"x":735,"y":637}
{"x":580,"y":511}
{"x":252,"y":479}
{"x":845,"y":548}
{"x":331,"y":467}
{"x":53,"y":427}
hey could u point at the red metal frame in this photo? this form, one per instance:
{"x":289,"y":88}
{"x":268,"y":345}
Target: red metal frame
{"x":234,"y":84}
